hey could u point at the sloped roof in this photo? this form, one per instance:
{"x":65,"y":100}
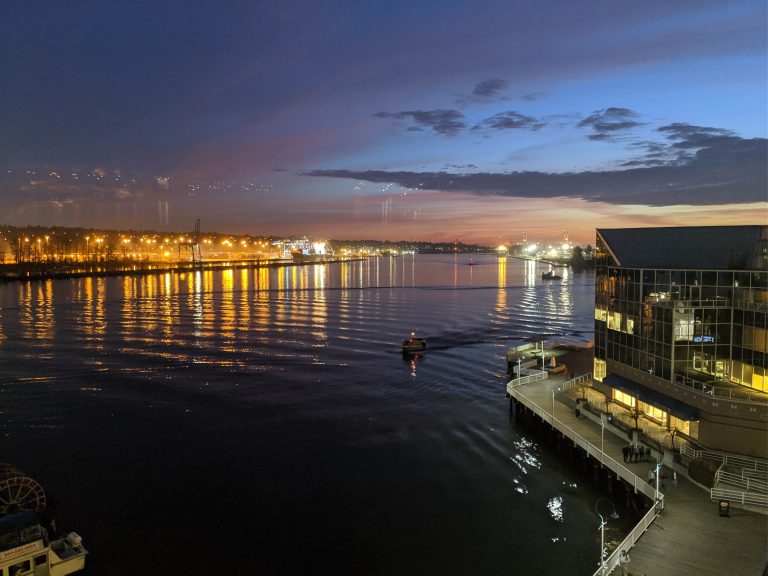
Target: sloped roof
{"x":695,"y":247}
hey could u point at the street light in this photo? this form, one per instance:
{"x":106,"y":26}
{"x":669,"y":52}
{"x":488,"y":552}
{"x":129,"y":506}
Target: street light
{"x":602,"y":435}
{"x":603,"y":522}
{"x":554,"y":391}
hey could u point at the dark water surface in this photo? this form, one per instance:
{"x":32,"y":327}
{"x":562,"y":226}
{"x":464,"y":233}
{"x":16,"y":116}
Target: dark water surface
{"x":265,"y":421}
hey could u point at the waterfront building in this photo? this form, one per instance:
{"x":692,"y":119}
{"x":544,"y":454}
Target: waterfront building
{"x":681,"y":331}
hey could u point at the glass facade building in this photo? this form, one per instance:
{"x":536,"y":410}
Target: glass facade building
{"x":681,"y":322}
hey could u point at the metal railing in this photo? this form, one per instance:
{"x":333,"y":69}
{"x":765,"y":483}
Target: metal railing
{"x":742,"y":462}
{"x":530,"y":376}
{"x":615,"y":466}
{"x":712,"y":390}
{"x":751,"y":498}
{"x":619,"y":469}
{"x":613,"y":559}
{"x":578,"y":382}
{"x":748,"y":483}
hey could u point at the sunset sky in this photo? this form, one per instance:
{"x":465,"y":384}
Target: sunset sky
{"x":428,"y":120}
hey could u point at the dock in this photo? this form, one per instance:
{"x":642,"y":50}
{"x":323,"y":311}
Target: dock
{"x":684,"y":532}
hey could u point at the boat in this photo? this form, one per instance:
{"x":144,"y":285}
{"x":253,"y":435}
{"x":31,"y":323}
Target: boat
{"x":414,"y":344}
{"x":550,"y":276}
{"x":28,"y":543}
{"x":470,"y":263}
{"x":305,"y":251}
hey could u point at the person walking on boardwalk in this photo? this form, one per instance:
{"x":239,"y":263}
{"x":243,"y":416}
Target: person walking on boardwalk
{"x":674,"y":479}
{"x":625,"y":452}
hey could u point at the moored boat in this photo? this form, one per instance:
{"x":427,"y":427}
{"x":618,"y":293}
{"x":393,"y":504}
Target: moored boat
{"x":550,"y":276}
{"x":28,"y":547}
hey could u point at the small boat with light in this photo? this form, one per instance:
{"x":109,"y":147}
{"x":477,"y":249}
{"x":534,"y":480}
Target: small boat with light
{"x":413,"y":344}
{"x":550,"y":276}
{"x":28,"y":544}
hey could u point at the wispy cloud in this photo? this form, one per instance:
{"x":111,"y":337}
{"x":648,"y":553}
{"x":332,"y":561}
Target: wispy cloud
{"x":694,"y":166}
{"x":611,"y":123}
{"x":442,"y":122}
{"x":510,"y":120}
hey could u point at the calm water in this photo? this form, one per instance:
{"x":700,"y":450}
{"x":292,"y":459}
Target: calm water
{"x":265,"y":421}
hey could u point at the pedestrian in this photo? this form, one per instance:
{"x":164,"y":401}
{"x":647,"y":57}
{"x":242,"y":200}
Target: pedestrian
{"x":625,"y":451}
{"x":651,"y":476}
{"x":623,"y":561}
{"x":636,"y":453}
{"x":674,"y":479}
{"x":646,"y":453}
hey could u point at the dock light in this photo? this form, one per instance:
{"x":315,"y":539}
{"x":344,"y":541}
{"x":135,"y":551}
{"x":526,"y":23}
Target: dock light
{"x":554,"y":391}
{"x":603,"y":522}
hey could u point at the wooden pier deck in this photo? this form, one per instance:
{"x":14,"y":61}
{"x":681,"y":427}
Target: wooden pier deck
{"x":688,"y":537}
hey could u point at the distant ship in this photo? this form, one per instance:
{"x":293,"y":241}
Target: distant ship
{"x":308,"y":252}
{"x":550,"y":276}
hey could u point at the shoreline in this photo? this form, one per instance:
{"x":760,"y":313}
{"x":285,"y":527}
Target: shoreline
{"x":23,"y":273}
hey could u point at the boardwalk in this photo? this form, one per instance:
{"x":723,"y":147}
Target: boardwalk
{"x":689,"y":537}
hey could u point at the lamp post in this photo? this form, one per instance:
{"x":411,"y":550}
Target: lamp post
{"x":518,"y":368}
{"x":603,"y":522}
{"x":658,"y":473}
{"x":602,"y":436}
{"x":554,"y":391}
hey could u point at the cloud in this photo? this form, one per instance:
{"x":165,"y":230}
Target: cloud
{"x":443,"y":122}
{"x":510,"y":121}
{"x":484,"y":92}
{"x":610,"y":123}
{"x":490,"y":89}
{"x":696,"y":166}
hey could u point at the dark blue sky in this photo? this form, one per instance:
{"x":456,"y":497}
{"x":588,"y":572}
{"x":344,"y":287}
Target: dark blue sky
{"x":383,"y":119}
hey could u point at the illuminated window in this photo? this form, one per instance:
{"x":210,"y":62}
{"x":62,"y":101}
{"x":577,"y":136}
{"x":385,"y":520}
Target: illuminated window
{"x":599,"y":369}
{"x":623,"y":398}
{"x":601,"y":314}
{"x":651,"y":411}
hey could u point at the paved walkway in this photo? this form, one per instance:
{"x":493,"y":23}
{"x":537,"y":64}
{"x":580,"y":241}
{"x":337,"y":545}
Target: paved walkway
{"x":689,"y":537}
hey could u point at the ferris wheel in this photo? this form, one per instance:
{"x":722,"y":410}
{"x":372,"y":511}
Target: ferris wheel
{"x":19,"y":492}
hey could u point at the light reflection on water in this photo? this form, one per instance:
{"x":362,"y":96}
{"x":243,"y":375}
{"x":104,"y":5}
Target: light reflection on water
{"x":275,"y":405}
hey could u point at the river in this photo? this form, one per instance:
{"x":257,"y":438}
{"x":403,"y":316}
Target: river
{"x":264,"y":421}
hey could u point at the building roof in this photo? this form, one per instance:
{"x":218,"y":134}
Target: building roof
{"x":695,"y":247}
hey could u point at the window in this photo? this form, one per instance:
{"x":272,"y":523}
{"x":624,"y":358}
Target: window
{"x":623,"y":398}
{"x":599,"y":369}
{"x":40,"y":560}
{"x":19,"y":568}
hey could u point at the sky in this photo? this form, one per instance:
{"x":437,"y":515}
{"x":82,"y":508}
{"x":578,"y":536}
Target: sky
{"x":436,"y":120}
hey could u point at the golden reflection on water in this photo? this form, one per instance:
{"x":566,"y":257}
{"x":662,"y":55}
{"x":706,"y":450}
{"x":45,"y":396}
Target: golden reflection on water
{"x":227,"y":310}
{"x":93,"y":326}
{"x":36,"y":308}
{"x":530,"y":272}
{"x":501,"y":293}
{"x":168,"y":308}
{"x":319,"y":312}
{"x":344,"y":275}
{"x":263,"y":279}
{"x":243,"y":301}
